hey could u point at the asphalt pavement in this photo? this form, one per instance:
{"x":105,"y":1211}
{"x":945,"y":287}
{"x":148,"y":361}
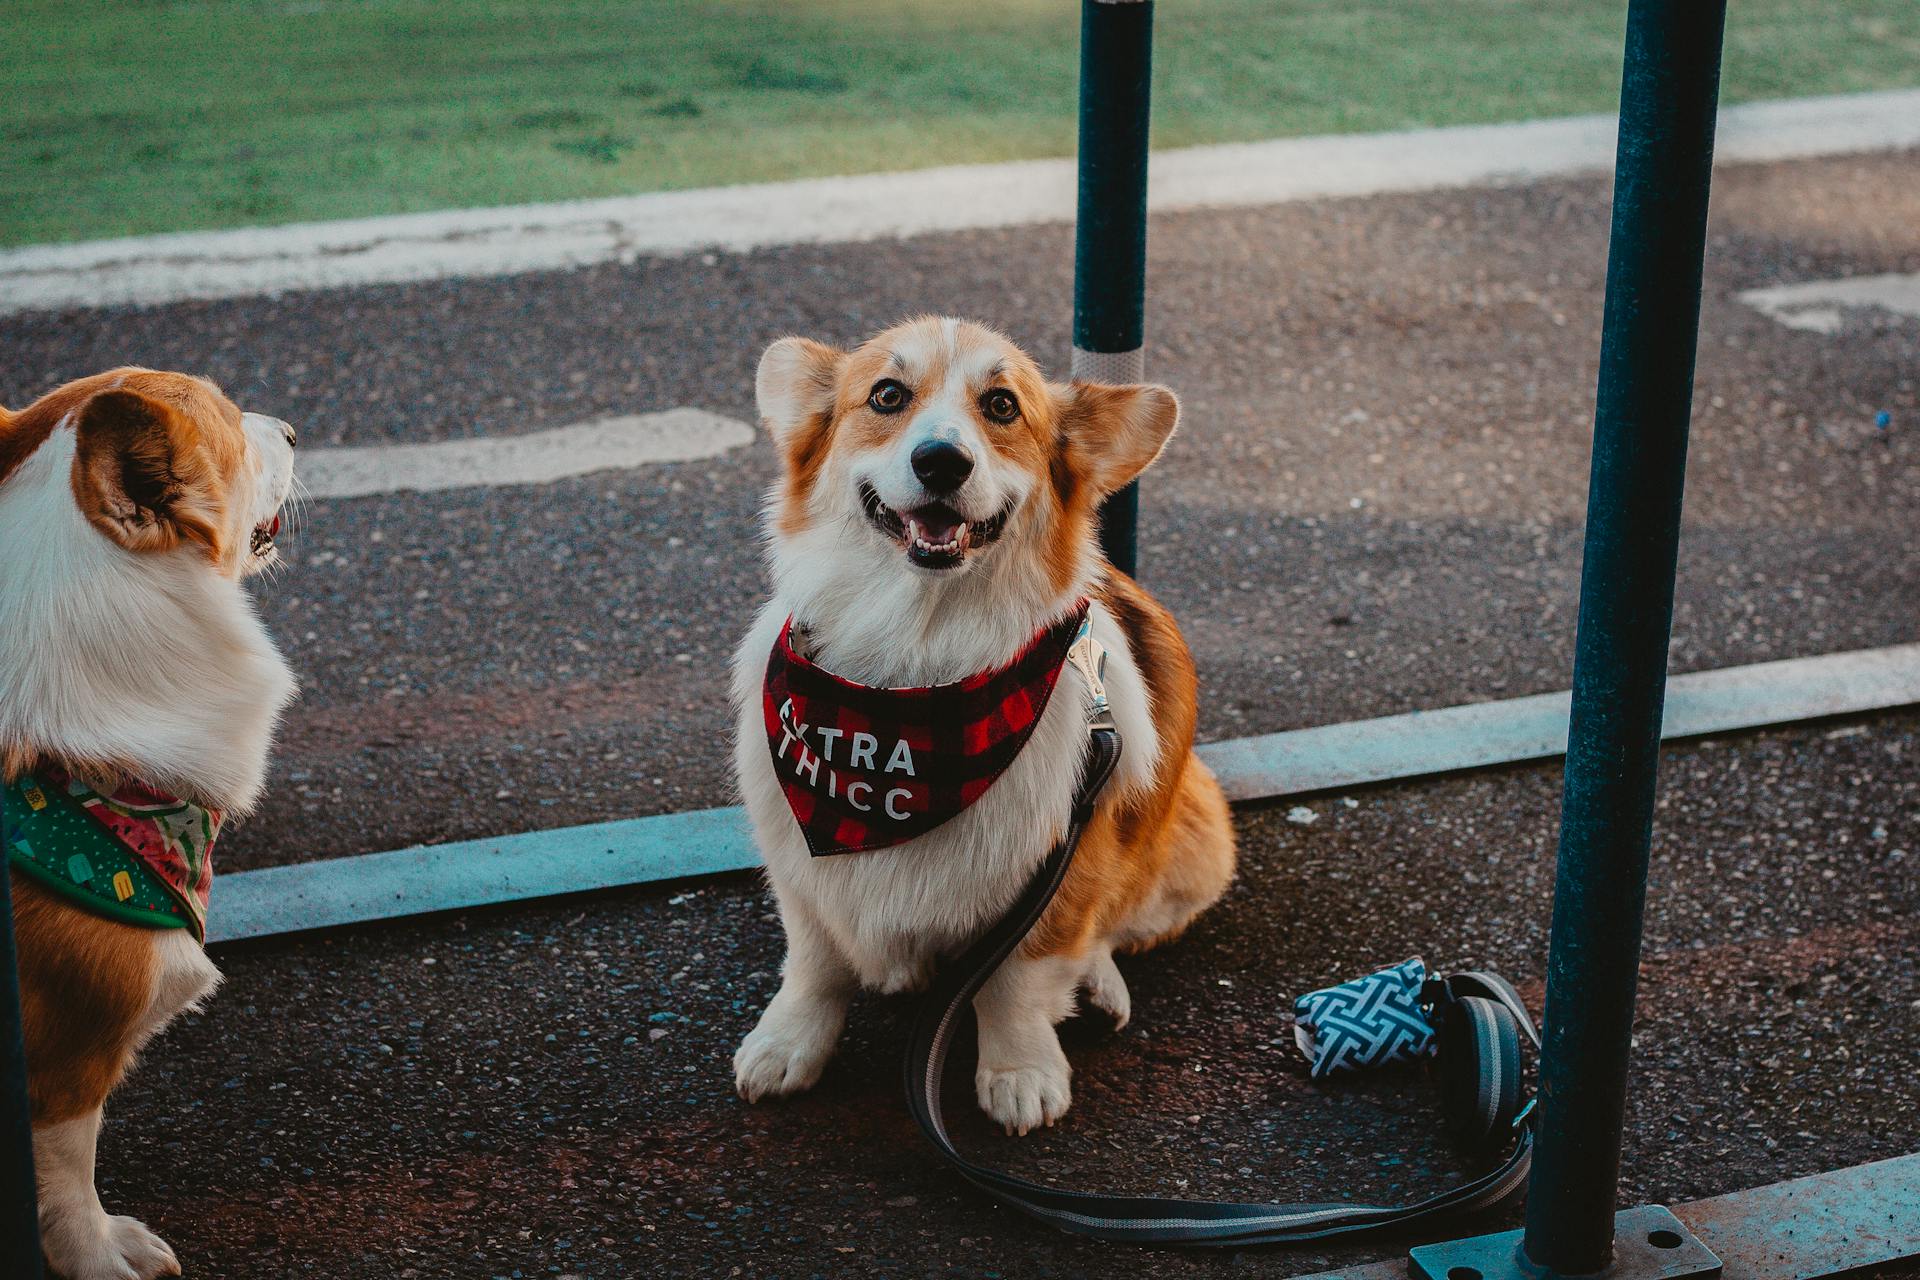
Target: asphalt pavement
{"x":546,"y":1090}
{"x":1374,"y":507}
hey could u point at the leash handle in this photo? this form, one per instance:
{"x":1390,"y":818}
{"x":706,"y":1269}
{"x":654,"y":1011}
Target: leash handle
{"x":1151,"y":1220}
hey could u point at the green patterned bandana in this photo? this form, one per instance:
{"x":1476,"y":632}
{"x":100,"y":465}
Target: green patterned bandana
{"x":137,"y":856}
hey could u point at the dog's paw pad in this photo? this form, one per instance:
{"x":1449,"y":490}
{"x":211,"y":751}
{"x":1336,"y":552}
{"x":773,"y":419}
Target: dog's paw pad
{"x":771,"y":1063}
{"x":1023,"y":1099}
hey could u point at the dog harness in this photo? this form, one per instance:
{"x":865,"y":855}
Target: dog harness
{"x":137,"y":855}
{"x":866,"y":767}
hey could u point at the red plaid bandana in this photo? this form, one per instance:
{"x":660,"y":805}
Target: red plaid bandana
{"x":867,"y":768}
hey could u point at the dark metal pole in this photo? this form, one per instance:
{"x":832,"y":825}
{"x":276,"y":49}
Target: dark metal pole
{"x":1667,"y":104}
{"x":19,"y":1204}
{"x":1110,"y":238}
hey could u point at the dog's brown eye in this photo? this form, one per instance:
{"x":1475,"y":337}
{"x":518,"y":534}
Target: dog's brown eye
{"x":888,"y":396}
{"x":1000,"y":405}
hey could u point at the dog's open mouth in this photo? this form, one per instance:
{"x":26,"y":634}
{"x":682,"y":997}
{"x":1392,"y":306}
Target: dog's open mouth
{"x":935,"y":536}
{"x":263,"y":535}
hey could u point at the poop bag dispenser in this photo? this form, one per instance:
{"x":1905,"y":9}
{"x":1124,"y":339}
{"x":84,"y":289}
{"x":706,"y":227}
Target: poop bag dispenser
{"x":1368,"y":1022}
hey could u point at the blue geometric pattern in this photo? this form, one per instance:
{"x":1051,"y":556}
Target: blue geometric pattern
{"x":1368,"y":1022}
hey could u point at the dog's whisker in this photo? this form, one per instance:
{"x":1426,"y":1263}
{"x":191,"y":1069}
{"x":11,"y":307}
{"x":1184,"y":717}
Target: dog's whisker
{"x":299,"y":499}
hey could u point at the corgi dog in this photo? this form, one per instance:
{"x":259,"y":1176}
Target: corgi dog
{"x":935,"y":519}
{"x":139,"y":692}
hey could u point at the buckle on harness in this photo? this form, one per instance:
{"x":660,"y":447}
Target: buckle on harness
{"x":1089,"y":658}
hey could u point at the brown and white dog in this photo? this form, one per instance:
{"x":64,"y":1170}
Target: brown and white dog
{"x":132,"y":504}
{"x":937,"y":509}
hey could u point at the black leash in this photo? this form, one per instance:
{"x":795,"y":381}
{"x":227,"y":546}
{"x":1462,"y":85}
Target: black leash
{"x":1478,"y":1013}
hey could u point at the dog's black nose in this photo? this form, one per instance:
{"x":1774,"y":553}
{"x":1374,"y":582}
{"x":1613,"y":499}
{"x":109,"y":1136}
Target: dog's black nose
{"x":941,"y":465}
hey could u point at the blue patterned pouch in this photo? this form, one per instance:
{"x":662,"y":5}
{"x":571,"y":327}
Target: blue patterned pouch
{"x":1368,"y":1022}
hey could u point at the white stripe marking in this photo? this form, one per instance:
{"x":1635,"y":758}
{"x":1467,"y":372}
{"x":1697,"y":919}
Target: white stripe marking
{"x":544,"y":237}
{"x":678,"y":435}
{"x":1817,"y":304}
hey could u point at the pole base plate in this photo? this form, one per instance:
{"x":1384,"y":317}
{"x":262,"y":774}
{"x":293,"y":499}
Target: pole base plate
{"x":1649,"y":1243}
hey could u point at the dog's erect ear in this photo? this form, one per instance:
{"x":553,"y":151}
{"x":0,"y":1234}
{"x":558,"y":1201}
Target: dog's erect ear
{"x":795,"y":385}
{"x":140,"y":477}
{"x":1109,"y":435}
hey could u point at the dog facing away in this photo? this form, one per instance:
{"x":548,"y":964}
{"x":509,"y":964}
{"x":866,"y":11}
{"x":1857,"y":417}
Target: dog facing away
{"x":937,"y":510}
{"x":132,"y":505}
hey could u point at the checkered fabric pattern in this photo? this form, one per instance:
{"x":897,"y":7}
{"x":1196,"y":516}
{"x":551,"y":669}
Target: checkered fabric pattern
{"x":867,"y":768}
{"x":1368,"y":1022}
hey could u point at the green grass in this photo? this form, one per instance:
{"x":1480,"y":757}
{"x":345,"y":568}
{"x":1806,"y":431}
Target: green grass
{"x":127,"y":116}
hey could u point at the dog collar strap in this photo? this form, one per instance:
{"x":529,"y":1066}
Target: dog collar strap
{"x":865,"y":767}
{"x":136,"y":856}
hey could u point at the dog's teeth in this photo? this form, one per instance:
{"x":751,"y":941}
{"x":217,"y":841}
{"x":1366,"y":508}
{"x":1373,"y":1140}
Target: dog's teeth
{"x":919,"y":541}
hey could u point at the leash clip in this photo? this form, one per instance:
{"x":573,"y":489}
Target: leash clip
{"x":1089,"y":658}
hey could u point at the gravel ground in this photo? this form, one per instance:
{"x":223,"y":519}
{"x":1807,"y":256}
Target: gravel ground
{"x":546,"y":1091}
{"x":1374,"y":507}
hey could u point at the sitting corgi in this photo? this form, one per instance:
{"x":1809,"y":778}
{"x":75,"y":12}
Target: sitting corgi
{"x":138,"y":697}
{"x":908,"y":748}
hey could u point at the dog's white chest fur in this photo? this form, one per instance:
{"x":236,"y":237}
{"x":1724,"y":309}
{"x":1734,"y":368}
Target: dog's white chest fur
{"x":893,"y":912}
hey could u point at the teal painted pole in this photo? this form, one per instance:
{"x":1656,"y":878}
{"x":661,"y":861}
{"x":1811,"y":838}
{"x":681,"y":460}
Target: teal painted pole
{"x":19,"y":1202}
{"x":1668,"y":95}
{"x":1110,"y":227}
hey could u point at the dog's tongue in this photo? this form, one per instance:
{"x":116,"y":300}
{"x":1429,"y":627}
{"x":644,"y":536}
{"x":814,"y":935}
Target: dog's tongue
{"x":935,"y":524}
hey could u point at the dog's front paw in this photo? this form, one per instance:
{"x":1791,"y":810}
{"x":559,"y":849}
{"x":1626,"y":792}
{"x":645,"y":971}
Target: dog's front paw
{"x":109,"y":1249}
{"x":142,"y":1255}
{"x":1022,"y":1099}
{"x":785,"y":1053}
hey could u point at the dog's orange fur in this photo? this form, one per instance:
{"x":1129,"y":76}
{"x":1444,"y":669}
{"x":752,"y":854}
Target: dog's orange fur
{"x":1174,"y":842}
{"x":20,"y":435}
{"x":86,"y":982}
{"x":806,"y":450}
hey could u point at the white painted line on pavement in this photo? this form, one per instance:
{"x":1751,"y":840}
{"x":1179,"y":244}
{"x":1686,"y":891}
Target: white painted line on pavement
{"x":543,"y":237}
{"x":1818,"y":304}
{"x":637,"y":440}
